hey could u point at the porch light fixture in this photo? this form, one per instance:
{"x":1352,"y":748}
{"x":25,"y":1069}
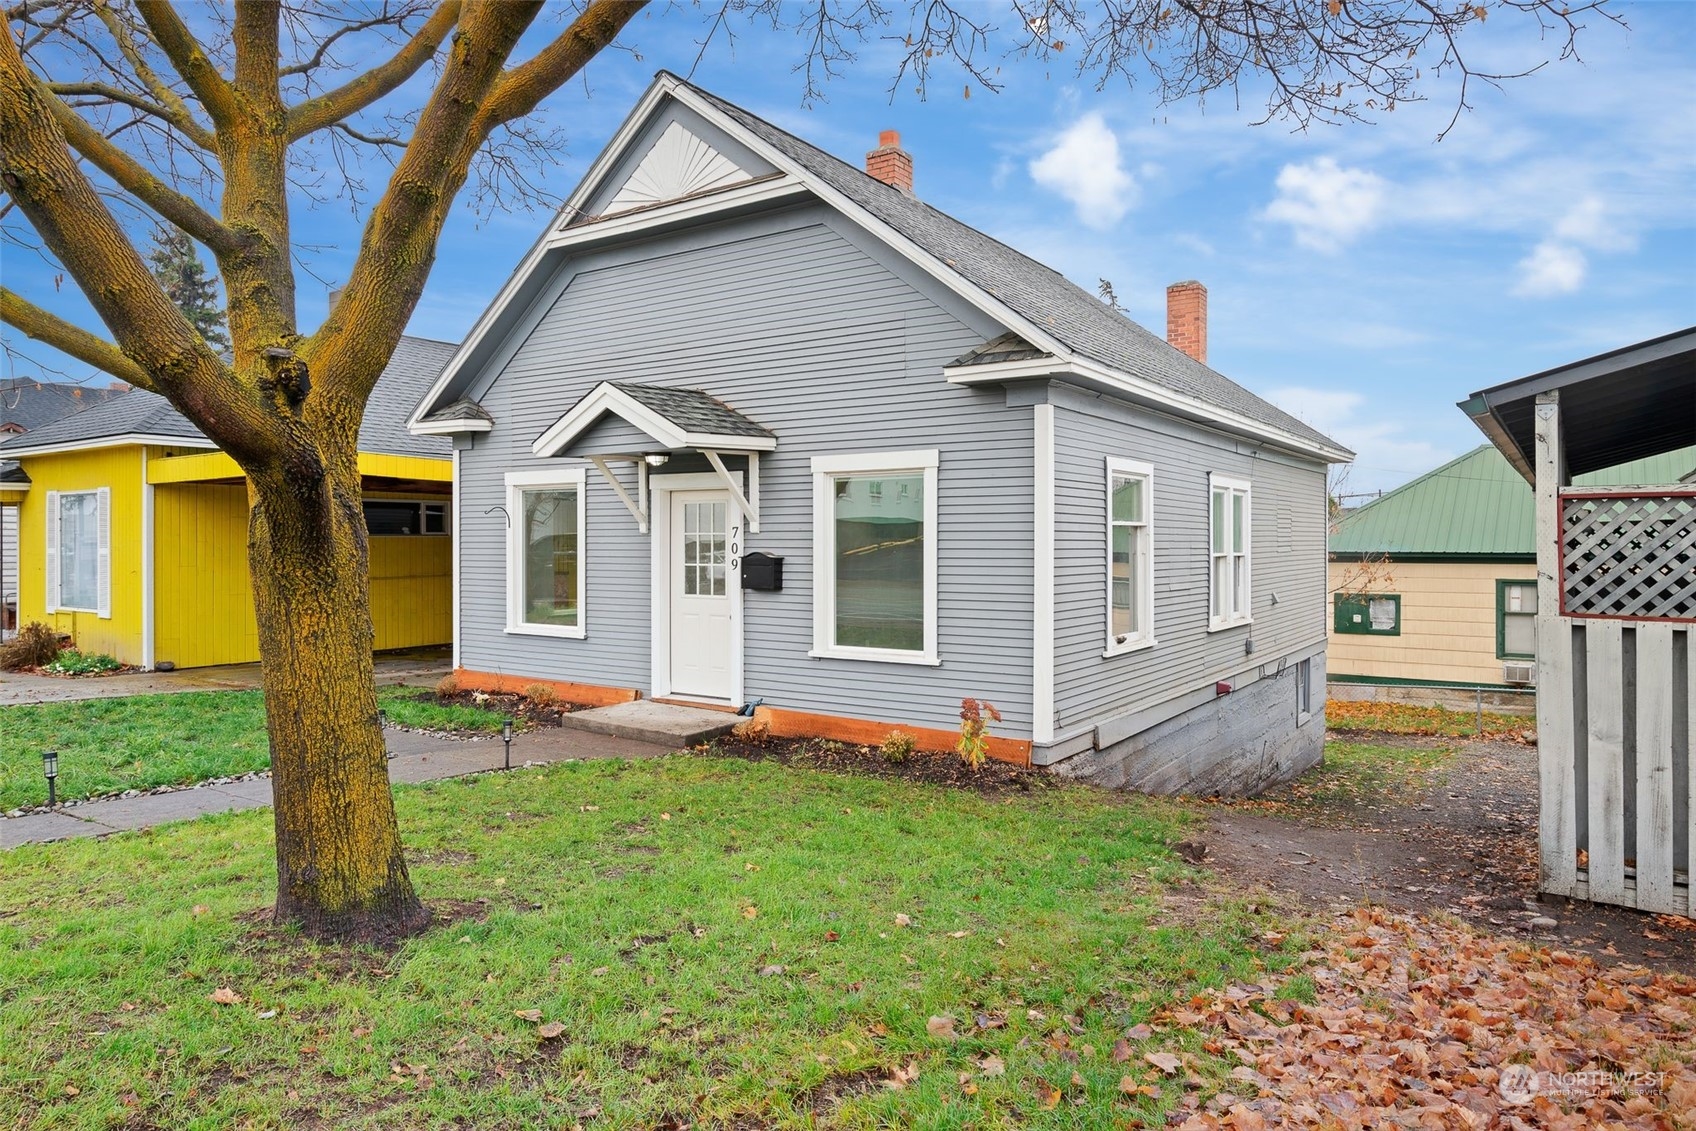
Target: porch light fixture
{"x":506,"y":737}
{"x":50,"y":770}
{"x":656,"y":459}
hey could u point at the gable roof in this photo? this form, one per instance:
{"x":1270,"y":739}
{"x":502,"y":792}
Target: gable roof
{"x":1056,"y":318}
{"x":672,"y":418}
{"x":139,"y":416}
{"x":1477,"y":506}
{"x":27,"y":403}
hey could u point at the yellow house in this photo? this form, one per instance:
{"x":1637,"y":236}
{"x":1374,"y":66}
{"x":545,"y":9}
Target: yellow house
{"x":132,"y":526}
{"x":1436,"y":581}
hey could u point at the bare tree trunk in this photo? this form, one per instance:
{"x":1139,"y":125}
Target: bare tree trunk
{"x":340,"y":866}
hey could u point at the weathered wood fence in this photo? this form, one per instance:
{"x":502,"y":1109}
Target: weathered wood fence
{"x":1615,"y":683}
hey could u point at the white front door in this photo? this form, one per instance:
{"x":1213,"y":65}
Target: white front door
{"x":700,"y":585}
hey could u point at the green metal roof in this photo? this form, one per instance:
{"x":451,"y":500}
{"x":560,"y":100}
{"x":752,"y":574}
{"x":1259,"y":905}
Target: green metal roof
{"x":1476,"y":506}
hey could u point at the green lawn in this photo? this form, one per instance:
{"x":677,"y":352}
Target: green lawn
{"x":142,"y":741}
{"x":718,"y":939}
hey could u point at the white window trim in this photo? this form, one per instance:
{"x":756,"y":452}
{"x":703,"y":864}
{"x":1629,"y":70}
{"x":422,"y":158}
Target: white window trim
{"x":923,"y":461}
{"x":420,"y":504}
{"x":1304,"y":689}
{"x":102,"y":558}
{"x":517,"y":482}
{"x":1137,"y":642}
{"x":1232,"y":483}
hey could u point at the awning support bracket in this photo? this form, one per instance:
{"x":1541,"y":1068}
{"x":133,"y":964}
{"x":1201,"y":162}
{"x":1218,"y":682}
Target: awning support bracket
{"x":639,"y":510}
{"x":750,"y":503}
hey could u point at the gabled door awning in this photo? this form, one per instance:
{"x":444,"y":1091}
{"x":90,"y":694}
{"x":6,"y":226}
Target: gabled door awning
{"x":653,"y":419}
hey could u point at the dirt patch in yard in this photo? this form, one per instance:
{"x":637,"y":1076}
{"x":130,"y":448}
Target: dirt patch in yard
{"x":1456,"y":836}
{"x":520,"y":707}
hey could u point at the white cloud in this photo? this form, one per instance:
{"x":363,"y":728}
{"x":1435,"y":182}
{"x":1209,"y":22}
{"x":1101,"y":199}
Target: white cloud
{"x":1326,"y":204}
{"x":1552,"y":268}
{"x":1083,"y":166}
{"x":1388,"y":450}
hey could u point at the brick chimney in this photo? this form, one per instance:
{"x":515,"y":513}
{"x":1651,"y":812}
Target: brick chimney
{"x":1186,"y":318}
{"x":890,"y":163}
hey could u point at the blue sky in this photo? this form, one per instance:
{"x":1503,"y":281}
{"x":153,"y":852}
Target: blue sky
{"x":1364,"y":277}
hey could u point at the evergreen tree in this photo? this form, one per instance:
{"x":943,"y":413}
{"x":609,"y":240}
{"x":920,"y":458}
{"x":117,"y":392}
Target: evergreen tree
{"x":180,"y":272}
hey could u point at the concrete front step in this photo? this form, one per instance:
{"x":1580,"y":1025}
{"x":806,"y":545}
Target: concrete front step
{"x":670,"y":724}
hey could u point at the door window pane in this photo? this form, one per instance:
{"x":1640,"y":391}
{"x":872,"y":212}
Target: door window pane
{"x":880,"y":561}
{"x":703,"y":549}
{"x":550,"y":556}
{"x":79,"y":551}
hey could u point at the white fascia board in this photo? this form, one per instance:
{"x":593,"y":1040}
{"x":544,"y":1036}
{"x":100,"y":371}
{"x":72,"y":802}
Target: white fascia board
{"x":1146,"y":392}
{"x":603,"y":399}
{"x":449,"y":427}
{"x":125,"y":440}
{"x":766,"y":191}
{"x":731,"y":444}
{"x":9,"y":485}
{"x":613,"y":150}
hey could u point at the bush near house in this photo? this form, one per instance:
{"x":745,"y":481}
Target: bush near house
{"x":34,"y":645}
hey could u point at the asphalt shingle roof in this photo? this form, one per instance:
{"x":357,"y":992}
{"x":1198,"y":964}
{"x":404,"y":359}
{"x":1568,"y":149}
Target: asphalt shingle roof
{"x":416,"y":364}
{"x":1478,"y":506}
{"x":28,"y":403}
{"x":692,"y":410}
{"x":1040,"y":294}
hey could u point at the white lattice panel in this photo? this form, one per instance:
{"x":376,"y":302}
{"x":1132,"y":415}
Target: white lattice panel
{"x":1629,"y":555}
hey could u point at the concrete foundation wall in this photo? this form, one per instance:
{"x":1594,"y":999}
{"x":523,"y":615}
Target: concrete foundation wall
{"x":1233,"y":745}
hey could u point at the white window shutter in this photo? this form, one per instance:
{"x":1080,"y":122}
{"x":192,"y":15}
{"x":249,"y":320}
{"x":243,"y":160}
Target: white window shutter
{"x":103,"y":523}
{"x":52,"y":551}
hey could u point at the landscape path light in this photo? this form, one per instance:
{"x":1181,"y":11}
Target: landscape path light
{"x":50,"y":770}
{"x":506,"y":737}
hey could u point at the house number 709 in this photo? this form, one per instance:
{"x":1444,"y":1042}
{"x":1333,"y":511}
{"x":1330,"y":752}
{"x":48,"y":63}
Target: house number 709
{"x":735,"y":545}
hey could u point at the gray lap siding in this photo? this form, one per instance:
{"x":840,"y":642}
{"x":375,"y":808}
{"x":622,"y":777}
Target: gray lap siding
{"x":800,"y":323}
{"x":1287,"y":514}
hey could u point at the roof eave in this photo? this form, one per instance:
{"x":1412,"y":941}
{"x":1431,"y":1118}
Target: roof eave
{"x":1478,"y":409}
{"x":449,"y":427}
{"x":123,"y":440}
{"x":1094,"y":375}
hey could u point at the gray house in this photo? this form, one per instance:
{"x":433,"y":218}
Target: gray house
{"x":749,"y":425}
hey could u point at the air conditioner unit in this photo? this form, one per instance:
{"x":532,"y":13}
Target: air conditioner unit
{"x":1519,"y":673}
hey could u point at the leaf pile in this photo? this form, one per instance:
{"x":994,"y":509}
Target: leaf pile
{"x":1415,"y":1022}
{"x":1410,"y":718}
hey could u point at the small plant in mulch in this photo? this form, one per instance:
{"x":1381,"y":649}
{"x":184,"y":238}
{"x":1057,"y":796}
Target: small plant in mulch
{"x":35,"y":645}
{"x":898,"y":747}
{"x":72,"y":662}
{"x":974,"y":731}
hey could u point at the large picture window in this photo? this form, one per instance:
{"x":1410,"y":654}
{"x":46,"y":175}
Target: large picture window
{"x":874,"y":524}
{"x":79,"y":551}
{"x":545,"y":578}
{"x":1130,"y":555}
{"x":1230,"y":583}
{"x":1516,"y":620}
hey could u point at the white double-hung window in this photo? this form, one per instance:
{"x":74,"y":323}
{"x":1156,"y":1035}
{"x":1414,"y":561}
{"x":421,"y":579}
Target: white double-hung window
{"x":1130,"y":555}
{"x":1229,"y":578}
{"x":79,"y":551}
{"x":874,"y":556}
{"x":544,"y":557}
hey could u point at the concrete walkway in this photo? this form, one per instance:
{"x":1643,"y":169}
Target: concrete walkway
{"x":420,"y":667}
{"x":417,"y":758}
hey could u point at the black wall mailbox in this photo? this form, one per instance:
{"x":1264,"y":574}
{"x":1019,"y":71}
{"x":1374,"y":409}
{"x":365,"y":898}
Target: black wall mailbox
{"x":762,"y":571}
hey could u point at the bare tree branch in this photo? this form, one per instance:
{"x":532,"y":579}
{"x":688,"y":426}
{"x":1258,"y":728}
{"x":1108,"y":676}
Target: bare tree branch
{"x":190,"y":60}
{"x":50,"y":329}
{"x":350,"y":98}
{"x":176,"y":109}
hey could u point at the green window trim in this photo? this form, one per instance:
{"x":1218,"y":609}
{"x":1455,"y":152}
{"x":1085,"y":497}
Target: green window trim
{"x":1352,"y":614}
{"x":1502,"y":614}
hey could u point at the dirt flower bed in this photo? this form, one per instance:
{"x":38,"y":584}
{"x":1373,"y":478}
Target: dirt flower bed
{"x":1402,"y":1021}
{"x":522,"y":708}
{"x":935,"y":768}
